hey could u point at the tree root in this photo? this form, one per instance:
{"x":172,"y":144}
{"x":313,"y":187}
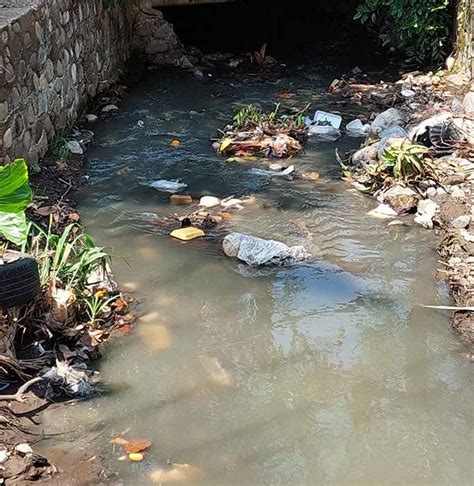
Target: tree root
{"x":18,"y":396}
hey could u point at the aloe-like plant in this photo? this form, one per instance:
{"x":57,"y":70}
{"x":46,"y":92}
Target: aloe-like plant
{"x":403,"y":161}
{"x":15,"y":195}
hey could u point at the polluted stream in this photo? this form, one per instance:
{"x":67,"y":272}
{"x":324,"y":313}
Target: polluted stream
{"x":323,"y":372}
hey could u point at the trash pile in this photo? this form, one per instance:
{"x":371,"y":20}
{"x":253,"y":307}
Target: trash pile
{"x":279,"y":134}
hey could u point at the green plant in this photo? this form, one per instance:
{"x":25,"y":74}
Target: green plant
{"x":68,"y":259}
{"x":59,"y":146}
{"x":15,"y":195}
{"x":403,"y":161}
{"x":420,"y":29}
{"x":96,"y":306}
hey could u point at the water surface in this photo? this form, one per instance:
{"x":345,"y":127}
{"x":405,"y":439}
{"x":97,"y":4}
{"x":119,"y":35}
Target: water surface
{"x":324,"y":373}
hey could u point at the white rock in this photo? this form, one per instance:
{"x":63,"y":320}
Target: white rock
{"x":3,"y":455}
{"x":461,"y":221}
{"x":109,"y":108}
{"x":408,"y":93}
{"x":440,"y":191}
{"x":24,"y":449}
{"x":468,"y":103}
{"x":426,"y":209}
{"x":458,"y":193}
{"x":74,"y":147}
{"x":209,"y":201}
{"x":383,"y":211}
{"x":431,"y":192}
{"x":91,"y":118}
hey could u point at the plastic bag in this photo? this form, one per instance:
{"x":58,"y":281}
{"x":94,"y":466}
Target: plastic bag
{"x":257,"y":251}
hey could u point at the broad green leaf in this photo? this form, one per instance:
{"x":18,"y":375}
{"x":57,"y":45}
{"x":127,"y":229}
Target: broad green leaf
{"x":13,"y":227}
{"x":15,"y":191}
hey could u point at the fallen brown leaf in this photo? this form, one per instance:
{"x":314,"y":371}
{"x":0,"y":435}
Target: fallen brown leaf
{"x":136,"y":445}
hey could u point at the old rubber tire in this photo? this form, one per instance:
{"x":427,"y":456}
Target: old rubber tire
{"x":19,"y":279}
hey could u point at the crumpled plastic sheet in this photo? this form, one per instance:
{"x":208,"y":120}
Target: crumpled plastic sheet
{"x":257,"y":251}
{"x":68,"y":380}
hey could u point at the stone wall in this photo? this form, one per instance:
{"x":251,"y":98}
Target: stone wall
{"x":55,"y":55}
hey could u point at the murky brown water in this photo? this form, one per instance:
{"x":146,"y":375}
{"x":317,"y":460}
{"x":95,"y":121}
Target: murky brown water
{"x":324,"y":373}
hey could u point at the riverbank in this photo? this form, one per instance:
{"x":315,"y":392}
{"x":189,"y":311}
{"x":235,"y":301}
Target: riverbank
{"x":435,"y":113}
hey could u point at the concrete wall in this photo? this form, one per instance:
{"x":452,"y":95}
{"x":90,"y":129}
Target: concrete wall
{"x":55,"y":55}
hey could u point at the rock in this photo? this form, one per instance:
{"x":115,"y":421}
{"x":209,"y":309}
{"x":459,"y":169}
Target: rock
{"x":458,"y":193}
{"x":90,"y":118}
{"x":383,"y":211}
{"x":396,"y":222}
{"x":310,"y":176}
{"x":74,"y":147}
{"x":181,"y":199}
{"x":366,"y":155}
{"x":387,"y":143}
{"x":461,"y":221}
{"x":468,"y":103}
{"x":23,"y":449}
{"x":431,"y":192}
{"x":403,"y":204}
{"x":396,"y":190}
{"x":3,"y":455}
{"x":209,"y":201}
{"x":426,"y":209}
{"x":387,"y":119}
{"x":408,"y":93}
{"x":109,"y":108}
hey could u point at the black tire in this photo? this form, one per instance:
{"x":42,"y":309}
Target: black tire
{"x":19,"y":279}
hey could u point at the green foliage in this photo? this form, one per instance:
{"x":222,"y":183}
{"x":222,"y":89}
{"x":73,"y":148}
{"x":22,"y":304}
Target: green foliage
{"x":15,"y":195}
{"x":403,"y":161}
{"x":251,"y":116}
{"x":59,"y":146}
{"x":68,"y":259}
{"x":420,"y":29}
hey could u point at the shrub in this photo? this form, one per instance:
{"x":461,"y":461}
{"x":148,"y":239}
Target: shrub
{"x":420,"y":29}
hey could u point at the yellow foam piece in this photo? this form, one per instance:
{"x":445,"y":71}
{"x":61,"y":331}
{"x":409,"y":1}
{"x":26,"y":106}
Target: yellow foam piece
{"x":187,"y":234}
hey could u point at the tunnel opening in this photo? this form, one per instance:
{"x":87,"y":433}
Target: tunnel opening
{"x":292,"y":32}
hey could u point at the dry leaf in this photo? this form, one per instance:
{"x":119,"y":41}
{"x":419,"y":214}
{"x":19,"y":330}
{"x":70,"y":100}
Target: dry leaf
{"x":120,"y":441}
{"x":120,"y":304}
{"x":74,"y":217}
{"x":285,"y":95}
{"x":126,"y":329}
{"x":100,"y":294}
{"x":136,"y":445}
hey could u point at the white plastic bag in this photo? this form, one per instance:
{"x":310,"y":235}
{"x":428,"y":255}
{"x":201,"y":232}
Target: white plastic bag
{"x":257,"y":251}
